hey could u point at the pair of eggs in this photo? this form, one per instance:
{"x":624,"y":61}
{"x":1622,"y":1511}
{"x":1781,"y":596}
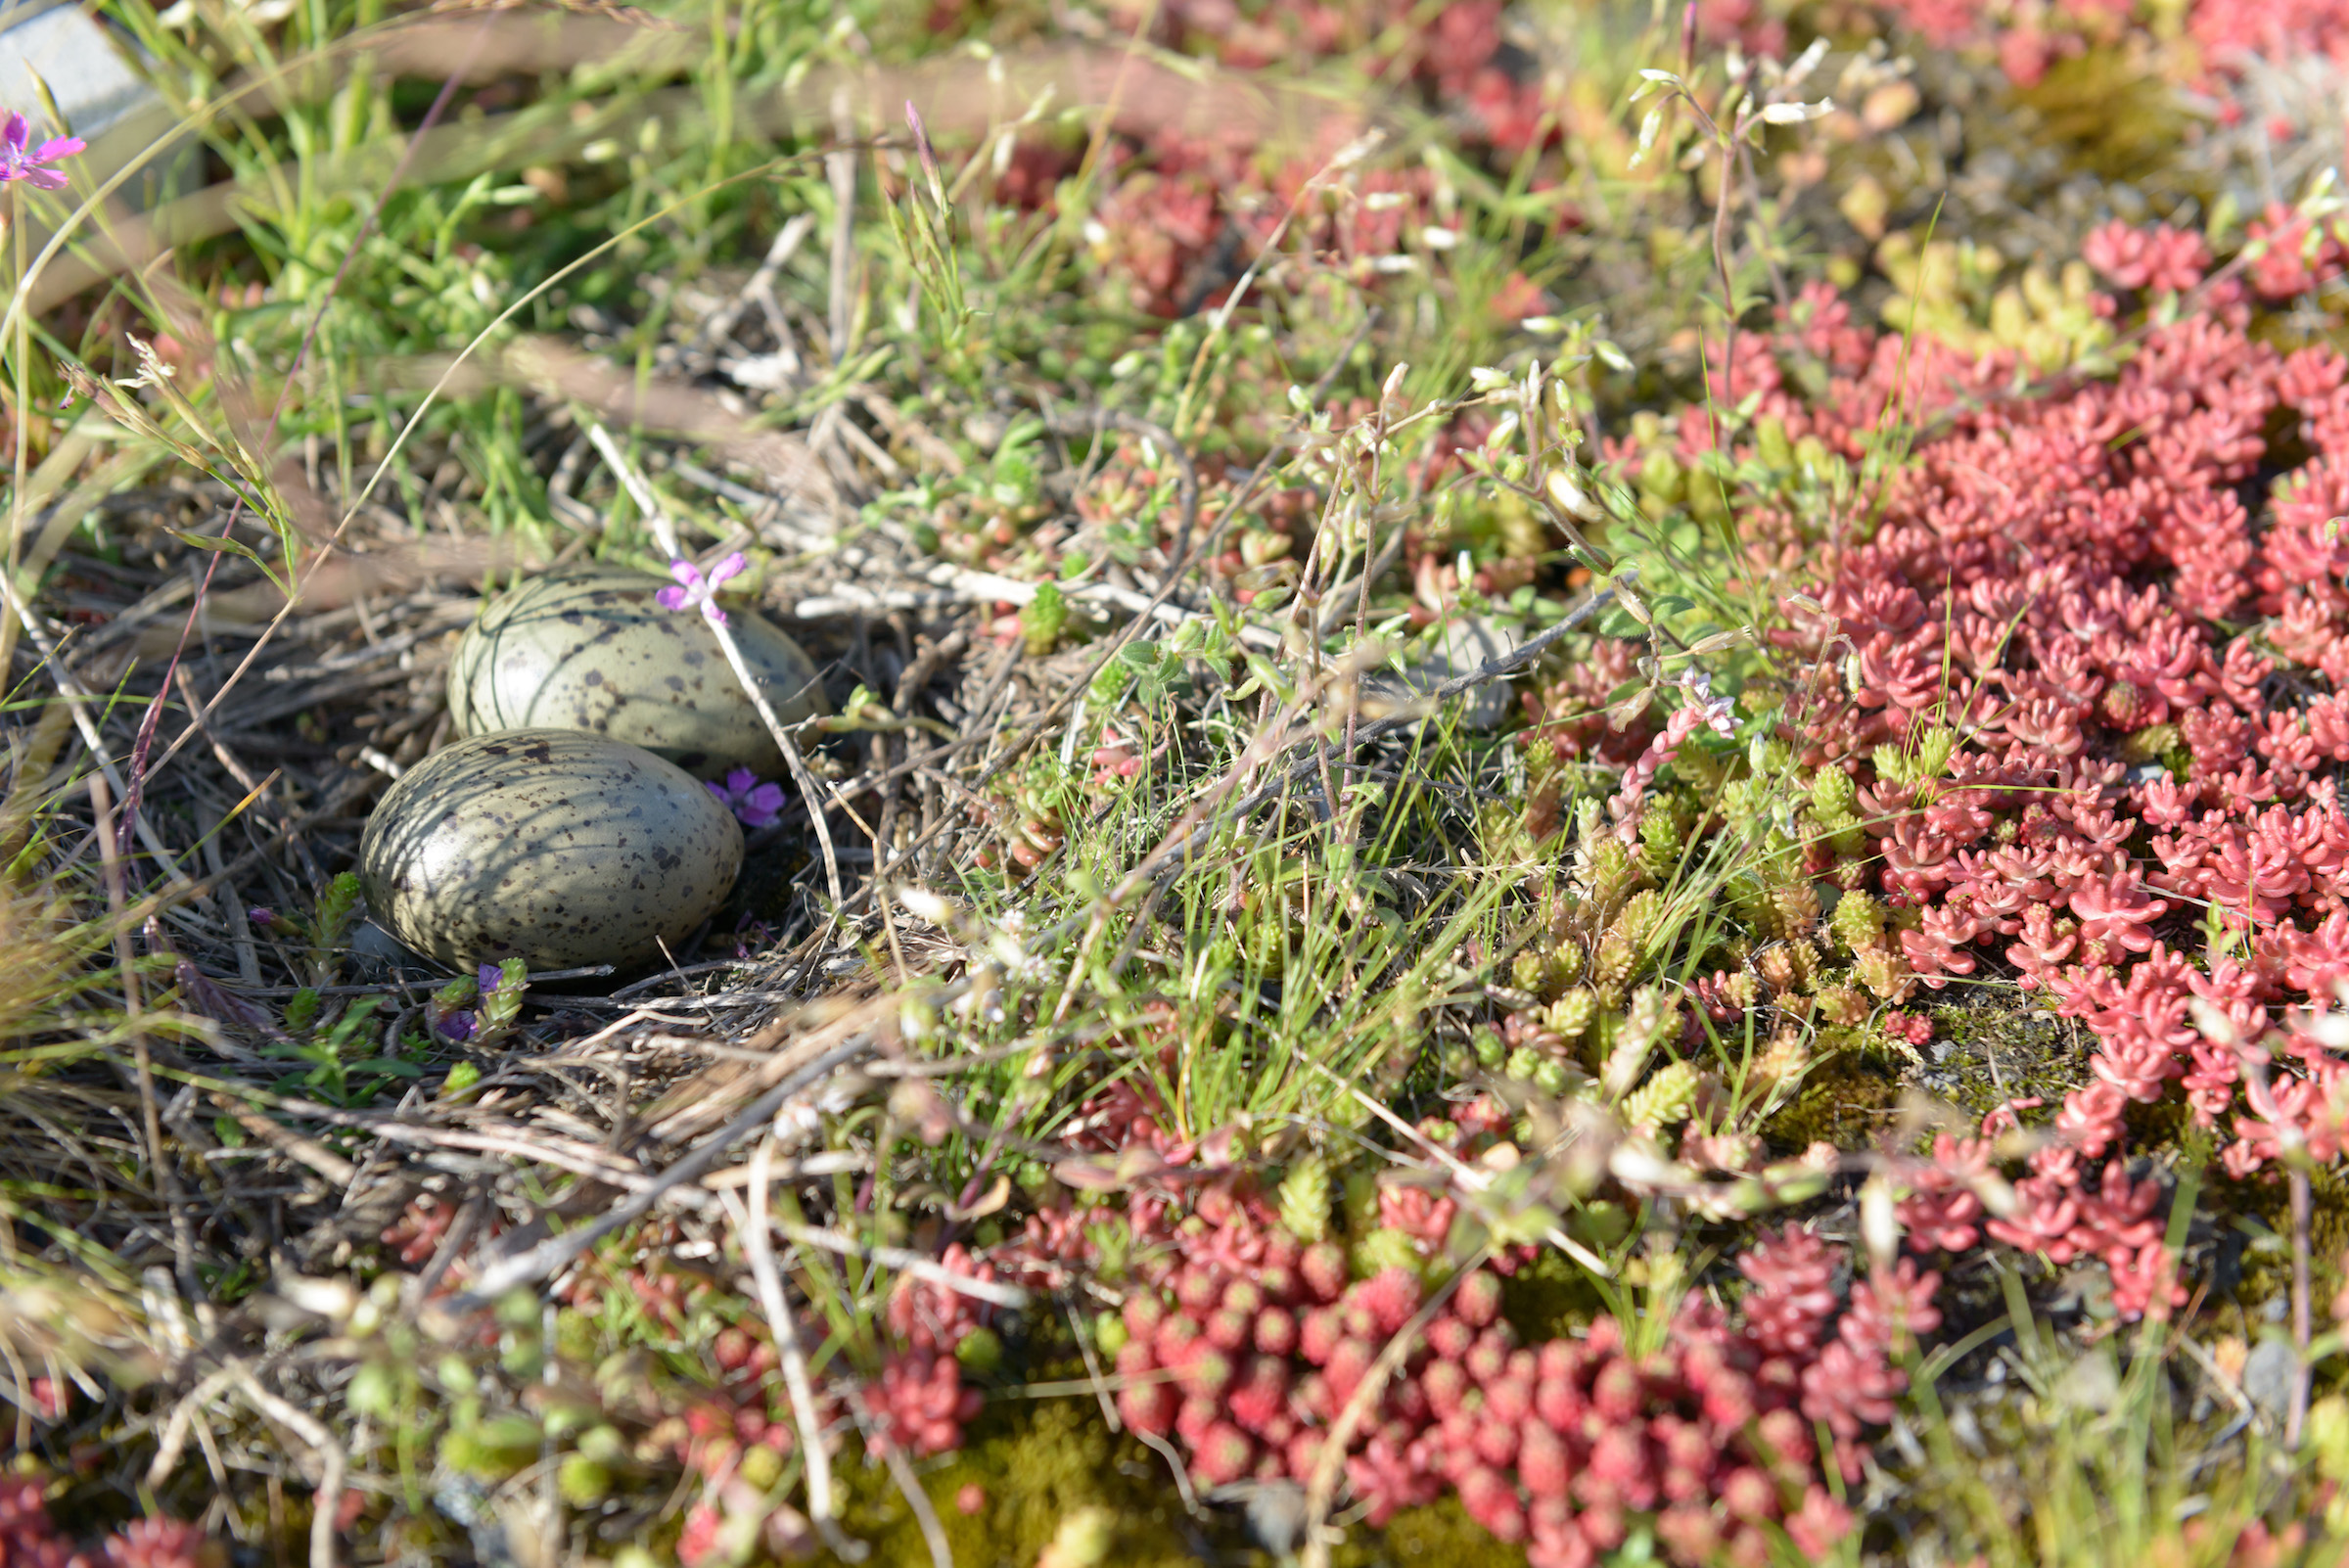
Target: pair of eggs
{"x":571,"y":825}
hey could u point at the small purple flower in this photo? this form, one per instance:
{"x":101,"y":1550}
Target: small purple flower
{"x":457,"y":1028}
{"x":693,"y":592}
{"x":261,"y":916}
{"x":751,"y":938}
{"x":490,"y":977}
{"x":16,"y":163}
{"x":753,"y":805}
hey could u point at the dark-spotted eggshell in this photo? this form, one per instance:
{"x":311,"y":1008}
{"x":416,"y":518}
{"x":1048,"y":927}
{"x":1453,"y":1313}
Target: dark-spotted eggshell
{"x":548,"y":845}
{"x":592,"y":649}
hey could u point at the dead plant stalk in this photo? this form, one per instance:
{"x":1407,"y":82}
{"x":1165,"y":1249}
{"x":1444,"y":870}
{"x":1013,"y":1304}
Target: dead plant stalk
{"x":664,"y":530}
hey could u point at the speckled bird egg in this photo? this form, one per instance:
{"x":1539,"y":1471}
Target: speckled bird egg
{"x":559,"y":847}
{"x":591,"y":649}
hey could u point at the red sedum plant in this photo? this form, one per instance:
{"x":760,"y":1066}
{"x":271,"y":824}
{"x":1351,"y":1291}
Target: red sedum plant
{"x":2031,"y":36}
{"x":1256,"y":1349}
{"x":29,"y":1539}
{"x":2124,"y":685}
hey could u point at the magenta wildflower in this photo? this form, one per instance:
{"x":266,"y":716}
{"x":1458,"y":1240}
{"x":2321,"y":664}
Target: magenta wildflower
{"x":458,"y":1027}
{"x":751,"y":937}
{"x":695,"y":591}
{"x":261,"y":916}
{"x":923,"y":148}
{"x":753,"y":805}
{"x":16,"y":163}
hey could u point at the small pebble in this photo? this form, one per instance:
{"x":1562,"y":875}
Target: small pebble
{"x":2268,"y":1377}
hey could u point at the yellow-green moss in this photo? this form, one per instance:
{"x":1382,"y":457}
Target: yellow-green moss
{"x":2267,"y":1274}
{"x":2108,"y":109}
{"x":1551,"y":1295}
{"x":1439,"y":1535}
{"x":1038,"y":1461}
{"x":1845,"y":1101}
{"x":1998,"y":1046}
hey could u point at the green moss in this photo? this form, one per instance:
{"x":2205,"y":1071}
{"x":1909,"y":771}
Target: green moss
{"x":1552,"y":1294}
{"x":1036,"y":1462}
{"x":2263,"y":1203}
{"x":1995,"y":1046}
{"x":1440,"y":1534}
{"x":1846,"y":1101}
{"x":2158,"y":1126}
{"x":2110,"y":112}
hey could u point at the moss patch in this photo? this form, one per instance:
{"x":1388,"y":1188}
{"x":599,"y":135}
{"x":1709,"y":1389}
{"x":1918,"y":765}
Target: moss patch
{"x":1548,"y":1296}
{"x":1437,"y":1536}
{"x":2265,"y":1202}
{"x":1995,"y":1045}
{"x":2113,"y":116}
{"x":1846,"y":1101}
{"x":1038,"y":1461}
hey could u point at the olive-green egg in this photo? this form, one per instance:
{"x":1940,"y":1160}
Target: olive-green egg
{"x":591,"y":649}
{"x":558,"y":847}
